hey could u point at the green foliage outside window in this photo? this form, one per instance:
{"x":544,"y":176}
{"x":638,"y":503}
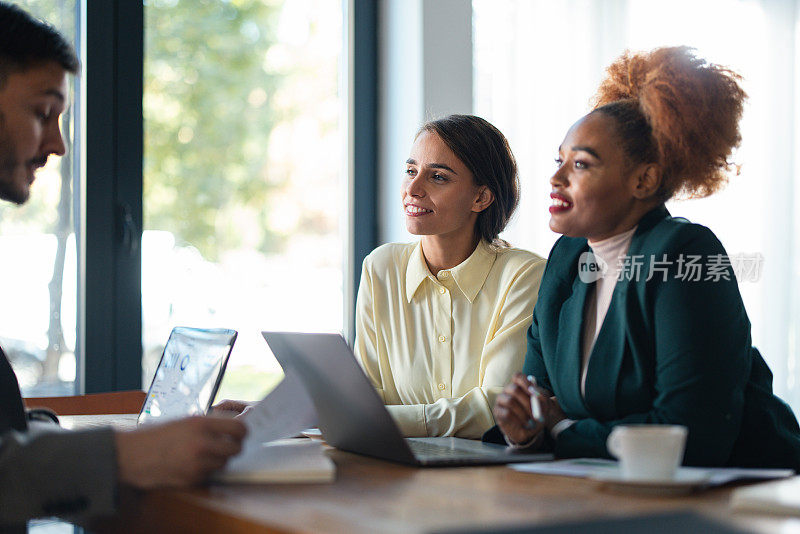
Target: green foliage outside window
{"x":208,"y":119}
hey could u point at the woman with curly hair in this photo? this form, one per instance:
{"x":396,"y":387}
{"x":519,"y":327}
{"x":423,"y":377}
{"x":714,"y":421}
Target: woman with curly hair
{"x":639,"y":318}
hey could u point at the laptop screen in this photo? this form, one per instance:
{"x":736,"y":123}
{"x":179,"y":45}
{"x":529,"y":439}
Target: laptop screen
{"x":188,"y":374}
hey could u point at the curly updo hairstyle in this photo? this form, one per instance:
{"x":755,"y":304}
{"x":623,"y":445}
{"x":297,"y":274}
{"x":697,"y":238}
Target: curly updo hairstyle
{"x":675,"y":109}
{"x":484,"y":150}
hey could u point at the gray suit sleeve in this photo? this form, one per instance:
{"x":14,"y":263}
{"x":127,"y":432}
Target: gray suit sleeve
{"x":48,"y":471}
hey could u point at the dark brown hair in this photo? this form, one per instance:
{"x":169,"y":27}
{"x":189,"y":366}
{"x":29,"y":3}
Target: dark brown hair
{"x":675,"y":109}
{"x":26,"y":42}
{"x":486,"y":153}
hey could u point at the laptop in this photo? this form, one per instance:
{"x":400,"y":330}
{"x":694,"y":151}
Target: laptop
{"x":189,"y":373}
{"x":352,"y":416}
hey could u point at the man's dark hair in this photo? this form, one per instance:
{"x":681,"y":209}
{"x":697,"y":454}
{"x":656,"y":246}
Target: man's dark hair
{"x":26,"y":42}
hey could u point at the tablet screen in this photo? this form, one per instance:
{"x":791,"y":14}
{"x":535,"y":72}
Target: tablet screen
{"x":188,"y":374}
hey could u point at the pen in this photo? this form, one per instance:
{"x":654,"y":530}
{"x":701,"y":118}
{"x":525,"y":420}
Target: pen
{"x":536,"y":407}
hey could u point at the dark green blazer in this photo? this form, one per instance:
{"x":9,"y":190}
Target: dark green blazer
{"x":671,"y":350}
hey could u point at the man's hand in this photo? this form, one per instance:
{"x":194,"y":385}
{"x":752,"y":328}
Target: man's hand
{"x":178,"y":453}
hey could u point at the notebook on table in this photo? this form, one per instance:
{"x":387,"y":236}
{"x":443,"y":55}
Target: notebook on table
{"x":282,"y":461}
{"x":352,"y":416}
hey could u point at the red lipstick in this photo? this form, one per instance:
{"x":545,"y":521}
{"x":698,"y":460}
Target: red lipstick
{"x":560,"y":203}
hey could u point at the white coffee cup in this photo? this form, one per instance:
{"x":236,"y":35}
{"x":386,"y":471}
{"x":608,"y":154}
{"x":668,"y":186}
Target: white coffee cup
{"x":648,"y":452}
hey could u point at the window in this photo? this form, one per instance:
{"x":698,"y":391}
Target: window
{"x":244,"y":194}
{"x":37,"y":243}
{"x":538,"y":62}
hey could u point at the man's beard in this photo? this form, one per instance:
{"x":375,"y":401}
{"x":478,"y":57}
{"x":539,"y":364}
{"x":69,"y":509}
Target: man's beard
{"x":8,"y":165}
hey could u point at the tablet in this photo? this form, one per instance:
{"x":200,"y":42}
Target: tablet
{"x":189,"y":373}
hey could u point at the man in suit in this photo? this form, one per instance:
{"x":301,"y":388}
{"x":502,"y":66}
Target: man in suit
{"x":44,"y":470}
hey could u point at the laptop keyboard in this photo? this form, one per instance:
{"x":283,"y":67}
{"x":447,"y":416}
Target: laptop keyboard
{"x":432,"y":450}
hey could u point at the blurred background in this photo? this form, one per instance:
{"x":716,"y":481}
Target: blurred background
{"x":248,"y":213}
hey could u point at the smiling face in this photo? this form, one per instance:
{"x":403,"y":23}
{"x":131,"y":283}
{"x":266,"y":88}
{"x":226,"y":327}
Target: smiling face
{"x":440,"y":197}
{"x":31,"y":102}
{"x":594,"y":191}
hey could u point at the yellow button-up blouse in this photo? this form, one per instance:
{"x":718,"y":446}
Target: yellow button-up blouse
{"x":440,"y":348}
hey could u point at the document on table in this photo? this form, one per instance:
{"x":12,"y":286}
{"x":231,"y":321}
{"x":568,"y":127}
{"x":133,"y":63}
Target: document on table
{"x":778,"y":496}
{"x":283,"y":413}
{"x":585,"y":467}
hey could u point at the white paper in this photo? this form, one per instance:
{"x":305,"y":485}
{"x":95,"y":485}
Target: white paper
{"x":723,"y":475}
{"x":283,"y":413}
{"x":782,"y":497}
{"x":579,"y":467}
{"x":585,"y":467}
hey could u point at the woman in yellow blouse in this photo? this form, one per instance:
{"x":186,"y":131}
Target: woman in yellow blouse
{"x":440,"y":323}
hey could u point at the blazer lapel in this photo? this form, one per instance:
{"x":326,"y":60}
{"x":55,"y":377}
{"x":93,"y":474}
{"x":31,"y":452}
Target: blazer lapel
{"x":605,"y":362}
{"x":608,"y":353}
{"x":567,"y":366}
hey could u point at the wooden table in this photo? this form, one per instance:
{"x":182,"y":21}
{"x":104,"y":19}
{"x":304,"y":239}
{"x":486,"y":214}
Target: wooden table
{"x":376,"y":496}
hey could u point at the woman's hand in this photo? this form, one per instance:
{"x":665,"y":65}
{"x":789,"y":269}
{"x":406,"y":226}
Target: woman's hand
{"x":512,"y":410}
{"x":551,"y":410}
{"x":230,"y":406}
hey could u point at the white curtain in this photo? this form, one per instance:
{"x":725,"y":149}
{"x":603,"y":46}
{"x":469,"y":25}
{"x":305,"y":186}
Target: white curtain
{"x":537,"y":63}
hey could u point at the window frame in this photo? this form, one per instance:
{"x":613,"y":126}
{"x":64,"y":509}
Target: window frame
{"x":110,"y":225}
{"x":110,"y":221}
